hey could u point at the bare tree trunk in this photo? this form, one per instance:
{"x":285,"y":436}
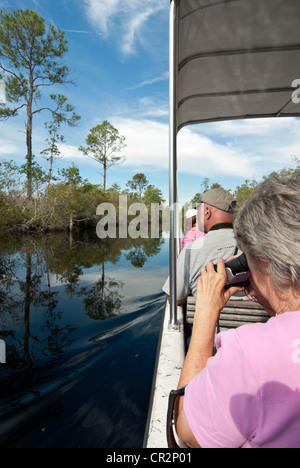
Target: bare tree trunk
{"x":50,"y":169}
{"x":29,"y":139}
{"x":29,"y":156}
{"x":104,"y":176}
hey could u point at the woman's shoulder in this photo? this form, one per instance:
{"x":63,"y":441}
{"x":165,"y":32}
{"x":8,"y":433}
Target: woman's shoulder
{"x":263,"y":341}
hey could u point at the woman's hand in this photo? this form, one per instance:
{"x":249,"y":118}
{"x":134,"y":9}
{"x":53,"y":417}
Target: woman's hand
{"x":211,"y":298}
{"x":211,"y":293}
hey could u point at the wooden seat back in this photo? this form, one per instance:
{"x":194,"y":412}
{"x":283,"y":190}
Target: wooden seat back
{"x":234,"y":314}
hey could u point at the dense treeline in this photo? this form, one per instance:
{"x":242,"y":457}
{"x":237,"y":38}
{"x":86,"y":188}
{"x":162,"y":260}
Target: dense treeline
{"x":66,"y":204}
{"x":243,"y":191}
{"x":70,"y":202}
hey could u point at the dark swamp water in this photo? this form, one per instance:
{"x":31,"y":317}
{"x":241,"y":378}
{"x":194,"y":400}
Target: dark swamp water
{"x":80,"y":319}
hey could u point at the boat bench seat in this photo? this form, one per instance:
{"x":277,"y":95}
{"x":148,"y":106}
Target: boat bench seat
{"x":234,"y":314}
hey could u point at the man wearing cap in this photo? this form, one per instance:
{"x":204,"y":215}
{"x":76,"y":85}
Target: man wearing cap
{"x":214,"y":217}
{"x":193,"y":233}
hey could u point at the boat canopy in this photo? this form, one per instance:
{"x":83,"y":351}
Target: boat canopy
{"x":229,"y":59}
{"x":237,"y":59}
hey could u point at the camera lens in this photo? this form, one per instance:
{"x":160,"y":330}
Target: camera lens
{"x":238,"y":264}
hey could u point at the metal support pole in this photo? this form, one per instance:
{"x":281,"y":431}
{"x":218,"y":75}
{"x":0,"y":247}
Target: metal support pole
{"x":173,"y":194}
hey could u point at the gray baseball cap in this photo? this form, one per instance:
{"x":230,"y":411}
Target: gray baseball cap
{"x":219,"y":198}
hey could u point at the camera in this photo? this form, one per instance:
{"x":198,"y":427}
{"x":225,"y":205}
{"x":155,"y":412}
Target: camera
{"x":237,"y":272}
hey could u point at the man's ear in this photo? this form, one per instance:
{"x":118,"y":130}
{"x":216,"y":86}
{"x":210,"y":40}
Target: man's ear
{"x":207,"y":212}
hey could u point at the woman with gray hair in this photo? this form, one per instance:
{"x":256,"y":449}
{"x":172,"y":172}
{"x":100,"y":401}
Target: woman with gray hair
{"x":268,"y":227}
{"x":248,"y":394}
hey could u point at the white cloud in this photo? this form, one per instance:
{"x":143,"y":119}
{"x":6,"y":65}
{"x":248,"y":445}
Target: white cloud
{"x":146,"y":140}
{"x":101,"y":13}
{"x":7,"y":150}
{"x":258,"y":127}
{"x":12,"y":141}
{"x":242,"y":149}
{"x":137,"y":19}
{"x":148,"y":145}
{"x":158,"y":79}
{"x":201,"y":156}
{"x":148,"y":108}
{"x":125,"y":19}
{"x":270,"y":144}
{"x":144,"y":108}
{"x":70,"y":152}
{"x":75,"y":31}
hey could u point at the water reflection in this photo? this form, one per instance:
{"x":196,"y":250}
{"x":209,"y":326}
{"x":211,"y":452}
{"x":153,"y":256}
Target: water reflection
{"x":45,"y":286}
{"x":81,"y":320}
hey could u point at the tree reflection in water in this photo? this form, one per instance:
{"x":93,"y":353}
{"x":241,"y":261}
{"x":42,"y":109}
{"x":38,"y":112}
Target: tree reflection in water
{"x":36,"y":320}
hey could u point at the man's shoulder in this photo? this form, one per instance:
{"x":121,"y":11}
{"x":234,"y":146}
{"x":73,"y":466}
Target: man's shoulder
{"x":211,"y":247}
{"x":220,"y":237}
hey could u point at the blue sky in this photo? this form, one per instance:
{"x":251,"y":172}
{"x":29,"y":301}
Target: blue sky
{"x":118,"y":54}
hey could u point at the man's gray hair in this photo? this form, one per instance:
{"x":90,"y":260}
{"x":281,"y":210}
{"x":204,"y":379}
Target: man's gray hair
{"x":267,"y":227}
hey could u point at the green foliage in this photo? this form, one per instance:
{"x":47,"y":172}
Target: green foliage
{"x":9,"y":177}
{"x":205,"y":186}
{"x":104,"y":143}
{"x":72,"y":176}
{"x":53,"y":205}
{"x":142,"y":191}
{"x":284,"y":172}
{"x":153,"y":195}
{"x":243,"y":192}
{"x":138,"y":183}
{"x":65,"y":204}
{"x":30,"y":61}
{"x":52,"y":152}
{"x":30,"y":53}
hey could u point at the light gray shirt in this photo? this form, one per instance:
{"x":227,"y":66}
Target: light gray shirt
{"x":214,"y":245}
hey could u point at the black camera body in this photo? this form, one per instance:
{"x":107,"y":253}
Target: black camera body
{"x":237,"y":272}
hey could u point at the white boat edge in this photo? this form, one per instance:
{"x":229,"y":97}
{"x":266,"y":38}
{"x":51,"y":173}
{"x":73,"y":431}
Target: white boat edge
{"x":169,"y":362}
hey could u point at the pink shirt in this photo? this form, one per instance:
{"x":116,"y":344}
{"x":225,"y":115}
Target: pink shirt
{"x":249,"y":393}
{"x":191,"y":236}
